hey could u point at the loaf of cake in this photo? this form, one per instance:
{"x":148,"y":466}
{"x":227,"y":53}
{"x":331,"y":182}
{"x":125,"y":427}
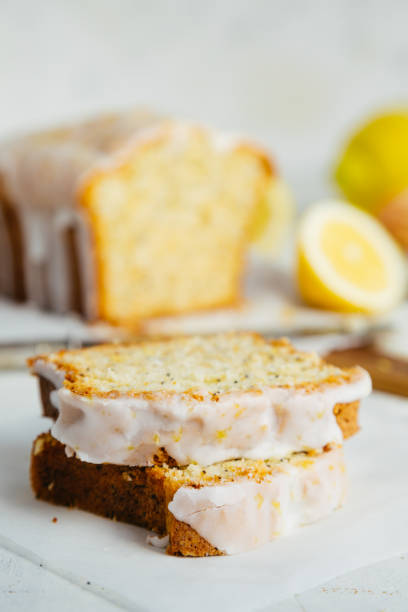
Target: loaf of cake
{"x":129,"y":216}
{"x":218,"y":443}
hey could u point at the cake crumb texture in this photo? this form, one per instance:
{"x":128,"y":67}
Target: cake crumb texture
{"x":215,"y":364}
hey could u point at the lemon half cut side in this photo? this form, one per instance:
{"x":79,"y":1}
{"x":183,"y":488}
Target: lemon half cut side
{"x":347,"y":261}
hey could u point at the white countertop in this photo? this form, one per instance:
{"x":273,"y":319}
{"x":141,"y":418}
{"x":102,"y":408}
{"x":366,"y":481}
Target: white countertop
{"x":380,"y":587}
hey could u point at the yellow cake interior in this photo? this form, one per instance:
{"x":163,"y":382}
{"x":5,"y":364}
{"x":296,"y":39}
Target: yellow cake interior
{"x":170,"y":222}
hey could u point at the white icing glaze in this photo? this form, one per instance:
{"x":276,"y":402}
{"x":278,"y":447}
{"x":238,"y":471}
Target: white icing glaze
{"x":242,"y":515}
{"x":87,"y":265}
{"x":268,"y":423}
{"x":58,"y":265}
{"x":55,"y":376}
{"x":46,"y":258}
{"x":36,"y":233}
{"x":157,"y":541}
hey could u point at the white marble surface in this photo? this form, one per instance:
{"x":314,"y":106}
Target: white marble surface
{"x":382,"y":587}
{"x":25,"y":585}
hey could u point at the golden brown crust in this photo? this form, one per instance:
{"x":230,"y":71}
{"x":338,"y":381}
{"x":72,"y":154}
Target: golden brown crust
{"x":347,"y":418}
{"x":186,"y":542}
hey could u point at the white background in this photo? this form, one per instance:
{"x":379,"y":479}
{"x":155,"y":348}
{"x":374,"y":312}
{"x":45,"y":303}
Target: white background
{"x":295,"y":74}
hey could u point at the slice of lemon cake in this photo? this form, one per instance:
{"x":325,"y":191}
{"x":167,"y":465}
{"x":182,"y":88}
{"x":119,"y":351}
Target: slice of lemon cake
{"x":194,"y":429}
{"x":130,"y":215}
{"x":200,"y":399}
{"x":226,"y":508}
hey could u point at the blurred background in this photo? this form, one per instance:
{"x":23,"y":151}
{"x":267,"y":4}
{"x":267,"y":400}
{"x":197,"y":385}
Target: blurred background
{"x":300,"y":78}
{"x":297,"y":76}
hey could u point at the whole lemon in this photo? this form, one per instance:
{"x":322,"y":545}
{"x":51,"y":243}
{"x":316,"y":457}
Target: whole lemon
{"x":372,"y":171}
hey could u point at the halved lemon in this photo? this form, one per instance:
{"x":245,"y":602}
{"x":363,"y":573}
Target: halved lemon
{"x":273,"y":218}
{"x":347,"y":261}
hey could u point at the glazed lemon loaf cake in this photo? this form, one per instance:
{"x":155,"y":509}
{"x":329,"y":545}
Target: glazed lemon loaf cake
{"x":128,"y":216}
{"x":180,"y":435}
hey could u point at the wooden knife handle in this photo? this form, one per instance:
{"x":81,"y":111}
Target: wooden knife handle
{"x":388,"y":373}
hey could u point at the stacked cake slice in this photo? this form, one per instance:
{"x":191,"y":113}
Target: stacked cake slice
{"x":220,"y":443}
